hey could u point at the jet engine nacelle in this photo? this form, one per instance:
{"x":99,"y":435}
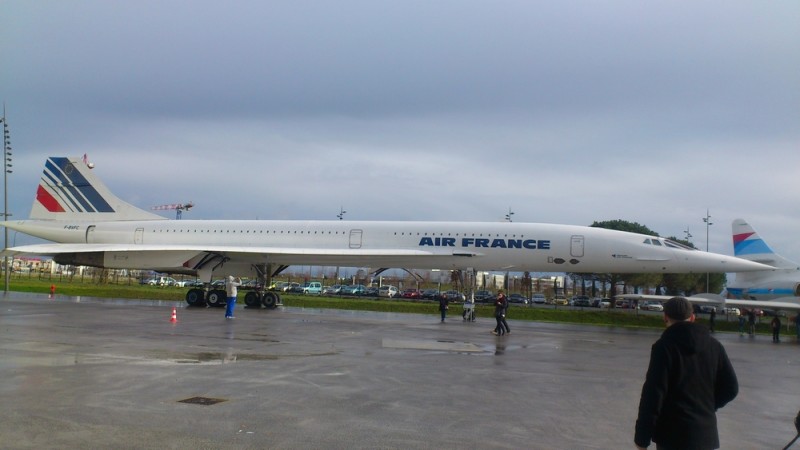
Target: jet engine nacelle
{"x":92,"y":259}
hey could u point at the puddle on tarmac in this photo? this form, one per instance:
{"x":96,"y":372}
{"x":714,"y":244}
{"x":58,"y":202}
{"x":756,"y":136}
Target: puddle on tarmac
{"x":225,"y":357}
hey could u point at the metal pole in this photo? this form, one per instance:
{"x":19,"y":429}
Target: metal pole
{"x":707,"y":220}
{"x":6,"y":170}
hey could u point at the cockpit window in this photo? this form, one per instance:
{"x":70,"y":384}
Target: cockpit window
{"x":667,"y":243}
{"x":673,"y":244}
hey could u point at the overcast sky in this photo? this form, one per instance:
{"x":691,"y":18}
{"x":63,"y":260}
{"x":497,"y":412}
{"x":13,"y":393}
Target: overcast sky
{"x":562,"y":112}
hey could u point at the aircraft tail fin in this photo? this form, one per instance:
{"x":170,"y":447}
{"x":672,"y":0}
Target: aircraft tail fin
{"x":69,"y":190}
{"x":748,"y":244}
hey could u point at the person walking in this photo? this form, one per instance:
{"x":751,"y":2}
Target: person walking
{"x":688,"y":379}
{"x":712,"y":317}
{"x":751,"y":322}
{"x":776,"y":328}
{"x":231,"y":290}
{"x":499,"y":314}
{"x":443,"y":306}
{"x":506,"y":304}
{"x":797,"y":327}
{"x":742,"y":321}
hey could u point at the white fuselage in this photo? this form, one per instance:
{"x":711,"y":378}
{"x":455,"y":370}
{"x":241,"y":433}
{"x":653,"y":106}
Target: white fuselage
{"x":782,"y":284}
{"x":165,"y":244}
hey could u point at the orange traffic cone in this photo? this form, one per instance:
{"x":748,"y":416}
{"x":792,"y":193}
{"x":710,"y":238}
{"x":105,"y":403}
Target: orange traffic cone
{"x":174,"y":316}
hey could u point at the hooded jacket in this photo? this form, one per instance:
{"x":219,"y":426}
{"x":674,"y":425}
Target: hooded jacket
{"x":689,"y":378}
{"x":231,"y":286}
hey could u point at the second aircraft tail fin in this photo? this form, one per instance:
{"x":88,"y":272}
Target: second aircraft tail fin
{"x":748,"y":244}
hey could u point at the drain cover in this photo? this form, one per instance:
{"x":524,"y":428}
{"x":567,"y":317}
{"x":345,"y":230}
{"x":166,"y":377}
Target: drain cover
{"x":202,"y":401}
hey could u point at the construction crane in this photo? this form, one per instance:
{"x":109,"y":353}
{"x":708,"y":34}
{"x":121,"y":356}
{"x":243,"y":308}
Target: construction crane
{"x":178,"y":207}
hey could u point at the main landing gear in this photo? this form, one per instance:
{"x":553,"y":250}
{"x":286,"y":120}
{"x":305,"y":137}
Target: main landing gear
{"x":255,"y":299}
{"x":217,"y":298}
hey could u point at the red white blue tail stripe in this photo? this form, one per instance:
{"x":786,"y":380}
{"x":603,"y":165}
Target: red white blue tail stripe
{"x":749,"y":243}
{"x":63,"y":188}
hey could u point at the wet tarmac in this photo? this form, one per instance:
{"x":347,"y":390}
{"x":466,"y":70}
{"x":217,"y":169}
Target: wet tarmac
{"x":103,"y":373}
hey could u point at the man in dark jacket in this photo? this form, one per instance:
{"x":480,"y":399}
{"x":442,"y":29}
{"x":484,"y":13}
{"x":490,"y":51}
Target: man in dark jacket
{"x":500,"y":306}
{"x":689,"y":378}
{"x":443,"y":307}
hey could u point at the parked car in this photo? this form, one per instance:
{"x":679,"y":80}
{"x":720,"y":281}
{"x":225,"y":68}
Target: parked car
{"x":652,"y":306}
{"x":484,"y":297}
{"x":560,"y":300}
{"x":454,"y":296}
{"x":161,"y":281}
{"x":332,"y":290}
{"x":518,"y":298}
{"x":371,"y":292}
{"x":387,"y":291}
{"x":539,"y":299}
{"x":581,"y":300}
{"x":291,"y":287}
{"x":277,"y":286}
{"x":312,"y":288}
{"x":623,"y":304}
{"x":731,"y":310}
{"x":704,"y":309}
{"x":430,"y":294}
{"x":356,"y":289}
{"x":412,"y":294}
{"x":250,"y":285}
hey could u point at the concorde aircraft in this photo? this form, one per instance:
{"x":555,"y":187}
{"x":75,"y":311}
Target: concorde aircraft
{"x":90,"y":226}
{"x":776,"y":289}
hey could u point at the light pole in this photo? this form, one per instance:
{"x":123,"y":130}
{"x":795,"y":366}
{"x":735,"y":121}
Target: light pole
{"x":341,"y":217}
{"x":707,"y":220}
{"x":505,"y":279}
{"x":6,"y":171}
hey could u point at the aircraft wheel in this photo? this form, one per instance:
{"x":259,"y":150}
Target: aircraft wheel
{"x":195,"y":297}
{"x":216,"y":298}
{"x":270,"y":299}
{"x":252,"y":300}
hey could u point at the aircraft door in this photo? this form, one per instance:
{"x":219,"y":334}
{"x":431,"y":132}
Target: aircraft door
{"x":90,"y":234}
{"x":355,"y":238}
{"x":138,"y":236}
{"x":576,"y":246}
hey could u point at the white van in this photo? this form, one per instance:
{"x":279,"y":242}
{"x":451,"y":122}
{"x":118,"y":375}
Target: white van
{"x":388,"y":291}
{"x":313,"y":288}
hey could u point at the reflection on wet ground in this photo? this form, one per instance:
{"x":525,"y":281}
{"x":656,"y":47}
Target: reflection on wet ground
{"x":224,"y":357}
{"x":100,"y":373}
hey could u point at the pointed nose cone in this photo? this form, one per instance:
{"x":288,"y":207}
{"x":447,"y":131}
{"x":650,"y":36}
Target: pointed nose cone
{"x":734,"y":264}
